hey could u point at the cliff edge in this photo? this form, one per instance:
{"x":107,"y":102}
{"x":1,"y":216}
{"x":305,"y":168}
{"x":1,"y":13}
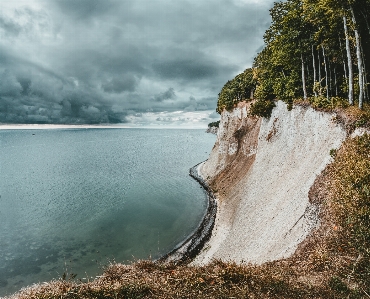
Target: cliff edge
{"x":261,"y":171}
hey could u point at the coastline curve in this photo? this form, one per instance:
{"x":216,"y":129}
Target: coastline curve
{"x":187,"y":250}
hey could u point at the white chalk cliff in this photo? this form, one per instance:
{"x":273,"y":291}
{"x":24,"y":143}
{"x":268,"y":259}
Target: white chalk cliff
{"x":261,"y":171}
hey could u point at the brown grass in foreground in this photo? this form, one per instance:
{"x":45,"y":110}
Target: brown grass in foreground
{"x":334,"y":262}
{"x":146,"y":279}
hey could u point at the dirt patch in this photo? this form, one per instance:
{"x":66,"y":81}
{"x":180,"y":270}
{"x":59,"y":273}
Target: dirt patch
{"x":239,"y":164}
{"x":273,"y":131}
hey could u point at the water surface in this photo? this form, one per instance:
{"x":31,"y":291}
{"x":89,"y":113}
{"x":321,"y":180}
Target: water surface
{"x":73,"y":200}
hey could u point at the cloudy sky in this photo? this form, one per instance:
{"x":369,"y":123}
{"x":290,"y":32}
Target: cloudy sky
{"x":137,"y":62}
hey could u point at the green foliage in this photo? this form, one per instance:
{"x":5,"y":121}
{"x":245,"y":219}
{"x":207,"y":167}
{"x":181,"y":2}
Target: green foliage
{"x":333,"y":152}
{"x":265,"y":89}
{"x":304,"y":32}
{"x":262,"y":108}
{"x":214,"y":124}
{"x":363,"y":121}
{"x":236,"y":90}
{"x":279,"y":63}
{"x":325,"y":103}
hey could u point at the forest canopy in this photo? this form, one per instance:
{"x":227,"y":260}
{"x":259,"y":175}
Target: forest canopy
{"x":317,"y":50}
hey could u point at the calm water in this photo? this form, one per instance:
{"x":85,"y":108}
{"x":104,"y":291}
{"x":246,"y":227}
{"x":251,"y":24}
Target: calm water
{"x":74,"y":200}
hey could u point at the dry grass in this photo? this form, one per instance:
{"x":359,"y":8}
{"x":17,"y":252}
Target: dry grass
{"x":151,"y":280}
{"x":334,"y":262}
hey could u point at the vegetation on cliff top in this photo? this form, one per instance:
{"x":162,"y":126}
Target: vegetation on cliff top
{"x":215,"y":124}
{"x":238,"y":89}
{"x":317,"y":50}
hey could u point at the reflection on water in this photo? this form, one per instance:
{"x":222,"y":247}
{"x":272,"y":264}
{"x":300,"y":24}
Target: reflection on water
{"x":73,"y":200}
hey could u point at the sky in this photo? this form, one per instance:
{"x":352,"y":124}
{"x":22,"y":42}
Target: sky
{"x":132,"y":62}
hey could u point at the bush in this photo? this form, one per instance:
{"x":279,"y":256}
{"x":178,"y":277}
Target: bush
{"x":262,"y":108}
{"x":214,"y":124}
{"x":337,"y":285}
{"x":265,"y":90}
{"x":363,"y":121}
{"x":331,"y":103}
{"x":236,"y":90}
{"x":333,"y":152}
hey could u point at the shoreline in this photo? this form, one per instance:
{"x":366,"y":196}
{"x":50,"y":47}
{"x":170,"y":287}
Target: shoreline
{"x":191,"y":247}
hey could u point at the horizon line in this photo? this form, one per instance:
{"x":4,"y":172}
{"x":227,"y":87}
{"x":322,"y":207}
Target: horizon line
{"x":93,"y":126}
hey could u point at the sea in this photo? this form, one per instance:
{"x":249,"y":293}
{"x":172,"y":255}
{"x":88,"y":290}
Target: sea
{"x":73,"y":201}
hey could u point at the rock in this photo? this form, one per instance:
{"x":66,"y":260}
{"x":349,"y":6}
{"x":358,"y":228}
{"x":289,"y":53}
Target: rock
{"x":212,"y":130}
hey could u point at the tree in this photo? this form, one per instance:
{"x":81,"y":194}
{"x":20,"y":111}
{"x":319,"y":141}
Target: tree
{"x":320,"y":43}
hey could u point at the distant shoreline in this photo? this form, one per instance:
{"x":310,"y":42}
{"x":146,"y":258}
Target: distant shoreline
{"x":102,"y":126}
{"x":189,"y":249}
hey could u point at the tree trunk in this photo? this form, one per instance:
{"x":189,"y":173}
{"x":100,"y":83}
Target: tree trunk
{"x":335,"y":82}
{"x":330,"y":79}
{"x":308,"y":78}
{"x":319,"y":82}
{"x":343,"y":60}
{"x":349,"y":61}
{"x":303,"y":80}
{"x":366,"y":20}
{"x":314,"y":72}
{"x":366,"y":88}
{"x":326,"y":73}
{"x":308,"y":72}
{"x":359,"y":63}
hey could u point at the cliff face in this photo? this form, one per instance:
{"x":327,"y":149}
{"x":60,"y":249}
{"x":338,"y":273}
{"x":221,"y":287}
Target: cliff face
{"x":261,"y":171}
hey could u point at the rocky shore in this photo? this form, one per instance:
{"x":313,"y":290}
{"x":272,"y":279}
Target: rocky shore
{"x":189,"y":249}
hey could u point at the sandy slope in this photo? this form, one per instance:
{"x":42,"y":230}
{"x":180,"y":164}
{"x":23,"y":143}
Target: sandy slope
{"x":262,"y":170}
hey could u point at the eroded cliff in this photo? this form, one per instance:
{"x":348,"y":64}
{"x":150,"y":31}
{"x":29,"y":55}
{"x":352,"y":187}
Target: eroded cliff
{"x":261,"y":171}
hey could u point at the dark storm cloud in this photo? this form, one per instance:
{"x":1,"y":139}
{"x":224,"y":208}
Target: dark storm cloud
{"x":84,"y":9}
{"x":118,"y":85}
{"x":41,"y":98}
{"x":10,"y":27}
{"x":186,"y":69}
{"x":96,"y":61}
{"x":167,"y":95}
